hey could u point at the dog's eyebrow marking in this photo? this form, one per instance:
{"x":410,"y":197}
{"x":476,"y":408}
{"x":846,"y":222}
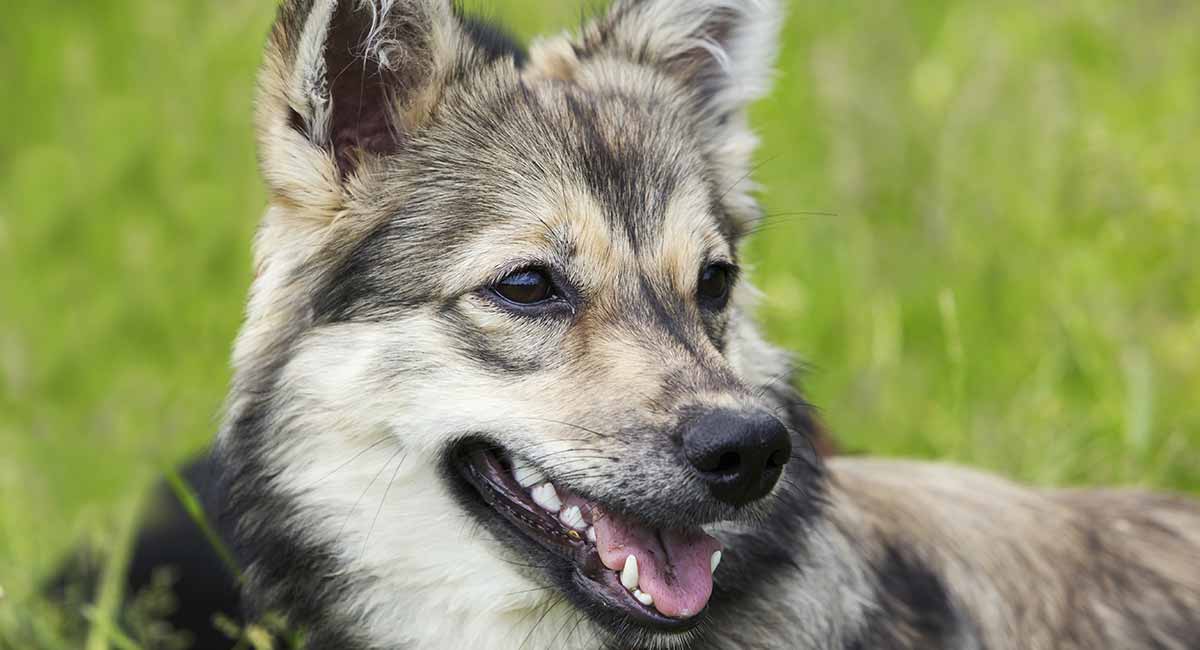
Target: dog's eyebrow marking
{"x":561,"y":243}
{"x":691,"y":236}
{"x":632,"y":187}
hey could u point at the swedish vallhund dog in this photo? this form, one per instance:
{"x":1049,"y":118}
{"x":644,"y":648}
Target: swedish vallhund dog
{"x":499,"y":385}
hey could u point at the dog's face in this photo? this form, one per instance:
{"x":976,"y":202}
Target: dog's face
{"x":497,"y":345}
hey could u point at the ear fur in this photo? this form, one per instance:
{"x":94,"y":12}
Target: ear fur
{"x":346,"y":81}
{"x":722,"y":50}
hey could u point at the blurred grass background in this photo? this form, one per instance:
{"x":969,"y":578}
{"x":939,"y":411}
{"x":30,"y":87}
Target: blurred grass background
{"x":984,"y":238}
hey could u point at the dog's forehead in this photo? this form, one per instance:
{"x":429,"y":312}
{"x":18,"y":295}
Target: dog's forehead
{"x":605,"y":177}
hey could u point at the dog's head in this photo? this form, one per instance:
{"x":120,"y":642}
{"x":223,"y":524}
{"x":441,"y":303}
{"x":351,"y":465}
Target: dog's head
{"x":498,"y":344}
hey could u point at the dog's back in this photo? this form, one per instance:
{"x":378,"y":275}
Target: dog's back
{"x":964,"y":559}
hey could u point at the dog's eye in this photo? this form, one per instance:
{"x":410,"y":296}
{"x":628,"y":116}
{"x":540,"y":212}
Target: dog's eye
{"x":525,"y":287}
{"x":715,"y":280}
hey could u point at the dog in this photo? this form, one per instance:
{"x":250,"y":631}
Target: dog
{"x":499,"y":383}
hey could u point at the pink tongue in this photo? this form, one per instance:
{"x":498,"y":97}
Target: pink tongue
{"x":673,"y":565}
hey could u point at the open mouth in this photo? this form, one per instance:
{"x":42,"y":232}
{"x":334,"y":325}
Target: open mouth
{"x":659,"y":578}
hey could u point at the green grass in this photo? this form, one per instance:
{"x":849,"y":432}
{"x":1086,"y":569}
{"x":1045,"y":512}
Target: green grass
{"x":985,"y":220}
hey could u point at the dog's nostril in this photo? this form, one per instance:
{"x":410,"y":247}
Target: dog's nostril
{"x":778,"y":459}
{"x":728,"y":462}
{"x":718,"y":463}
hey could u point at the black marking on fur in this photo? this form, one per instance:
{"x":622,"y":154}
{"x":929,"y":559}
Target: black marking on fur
{"x":915,"y":610}
{"x":776,"y":548}
{"x":289,"y":23}
{"x":666,"y":311}
{"x":371,"y":281}
{"x":298,"y":123}
{"x":477,"y":346}
{"x":284,"y":571}
{"x":632,"y":186}
{"x":493,"y":40}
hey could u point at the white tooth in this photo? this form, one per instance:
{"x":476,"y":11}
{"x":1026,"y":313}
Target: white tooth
{"x":545,"y":496}
{"x":527,"y":475}
{"x":591,"y":534}
{"x":629,"y":575}
{"x":714,"y":561}
{"x":572,"y":517}
{"x":643,"y":597}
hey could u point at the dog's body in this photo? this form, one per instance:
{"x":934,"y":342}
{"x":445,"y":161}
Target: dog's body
{"x":479,"y":265}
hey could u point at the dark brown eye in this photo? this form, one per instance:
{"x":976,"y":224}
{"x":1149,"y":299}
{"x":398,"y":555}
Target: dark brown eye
{"x":525,"y":287}
{"x":714,"y":284}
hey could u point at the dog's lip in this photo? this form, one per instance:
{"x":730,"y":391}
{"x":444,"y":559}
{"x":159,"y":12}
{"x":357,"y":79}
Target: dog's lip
{"x":481,"y":468}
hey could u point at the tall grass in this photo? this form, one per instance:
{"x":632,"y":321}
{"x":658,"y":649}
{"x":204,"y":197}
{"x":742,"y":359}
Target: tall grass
{"x":982,"y":238}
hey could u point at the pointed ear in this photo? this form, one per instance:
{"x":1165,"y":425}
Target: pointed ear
{"x":722,"y":52}
{"x":346,"y":81}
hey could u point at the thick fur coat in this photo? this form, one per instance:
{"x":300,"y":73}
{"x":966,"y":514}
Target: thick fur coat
{"x":417,"y":160}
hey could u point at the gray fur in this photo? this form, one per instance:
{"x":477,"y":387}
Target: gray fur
{"x":413,"y":159}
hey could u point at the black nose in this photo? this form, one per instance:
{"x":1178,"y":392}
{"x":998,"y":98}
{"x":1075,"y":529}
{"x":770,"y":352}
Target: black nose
{"x":739,"y":455}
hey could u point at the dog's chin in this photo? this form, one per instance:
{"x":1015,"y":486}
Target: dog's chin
{"x":581,"y":548}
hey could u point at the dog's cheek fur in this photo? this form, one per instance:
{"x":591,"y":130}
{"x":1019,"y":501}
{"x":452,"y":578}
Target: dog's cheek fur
{"x":364,"y":492}
{"x":357,"y":440}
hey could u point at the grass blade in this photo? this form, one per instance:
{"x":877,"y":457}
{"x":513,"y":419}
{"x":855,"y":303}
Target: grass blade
{"x":191,"y":503}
